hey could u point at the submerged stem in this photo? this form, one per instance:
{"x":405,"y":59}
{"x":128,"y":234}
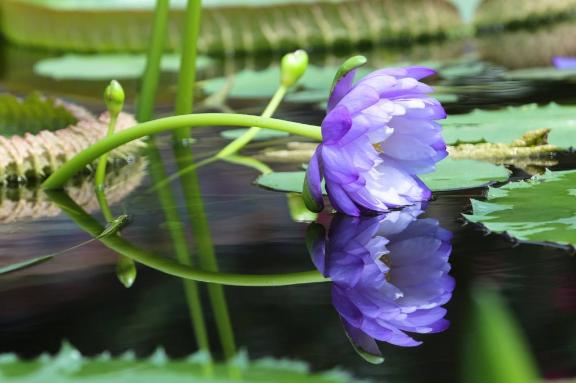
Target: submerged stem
{"x":73,"y":166}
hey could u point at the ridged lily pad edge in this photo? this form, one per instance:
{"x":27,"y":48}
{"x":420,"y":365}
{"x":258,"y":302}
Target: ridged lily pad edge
{"x":480,"y":208}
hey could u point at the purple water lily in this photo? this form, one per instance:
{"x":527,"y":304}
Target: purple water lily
{"x":378,"y":135}
{"x":389,"y":276}
{"x":561,"y":62}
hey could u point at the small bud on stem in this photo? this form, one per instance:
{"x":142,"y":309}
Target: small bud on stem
{"x":114,"y":98}
{"x":293,"y":66}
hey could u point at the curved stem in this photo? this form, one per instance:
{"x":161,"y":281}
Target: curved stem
{"x":73,"y":166}
{"x":165,"y":265}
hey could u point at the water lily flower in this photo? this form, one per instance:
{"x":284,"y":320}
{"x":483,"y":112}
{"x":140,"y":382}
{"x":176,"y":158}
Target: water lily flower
{"x":389,"y":276}
{"x":561,"y":62}
{"x":377,"y":136}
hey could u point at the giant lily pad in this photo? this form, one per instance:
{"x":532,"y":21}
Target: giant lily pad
{"x":228,"y":26}
{"x":542,"y":209}
{"x":70,"y":366}
{"x":32,"y":115}
{"x":449,"y":175}
{"x":506,"y":125}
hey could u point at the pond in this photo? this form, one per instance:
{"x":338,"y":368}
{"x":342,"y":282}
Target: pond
{"x":76,"y":298}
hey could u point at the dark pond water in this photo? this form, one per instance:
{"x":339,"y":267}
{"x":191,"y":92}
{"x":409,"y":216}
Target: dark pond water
{"x":77,"y":297}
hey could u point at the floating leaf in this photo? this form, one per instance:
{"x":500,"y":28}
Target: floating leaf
{"x":262,"y":135}
{"x":70,"y":366}
{"x":32,"y":114}
{"x":543,"y":74}
{"x":314,"y":86}
{"x":104,"y":66}
{"x":542,"y":209}
{"x":506,"y":125}
{"x":463,"y":174}
{"x":449,"y":175}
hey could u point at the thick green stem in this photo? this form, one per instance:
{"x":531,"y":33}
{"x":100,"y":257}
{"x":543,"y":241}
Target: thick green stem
{"x":103,"y":161}
{"x":73,"y":166}
{"x":204,"y":245}
{"x":187,"y":76}
{"x":180,"y":246}
{"x":147,"y":95}
{"x":165,"y":265}
{"x":243,"y":140}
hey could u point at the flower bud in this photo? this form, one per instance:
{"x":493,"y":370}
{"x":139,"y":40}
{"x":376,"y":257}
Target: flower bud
{"x":126,"y":271}
{"x":114,"y":97}
{"x":293,"y":66}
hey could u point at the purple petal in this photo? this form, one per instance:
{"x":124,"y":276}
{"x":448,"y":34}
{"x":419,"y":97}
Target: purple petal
{"x":564,"y":62}
{"x":314,"y":177}
{"x":342,"y":87}
{"x":335,"y":125}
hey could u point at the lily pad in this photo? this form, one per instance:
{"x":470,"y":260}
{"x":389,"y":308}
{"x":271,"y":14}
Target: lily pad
{"x":104,"y":66}
{"x":32,"y":115}
{"x":542,"y":209}
{"x":449,"y":175}
{"x":314,"y":86}
{"x":70,"y":366}
{"x":506,"y":125}
{"x":262,"y":135}
{"x":543,"y":74}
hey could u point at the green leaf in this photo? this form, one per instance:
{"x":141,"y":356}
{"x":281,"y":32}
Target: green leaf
{"x":495,"y":350}
{"x":449,"y":175}
{"x":104,"y":66}
{"x":31,"y":115}
{"x":506,"y":125}
{"x":314,"y":86}
{"x":262,"y":135}
{"x":463,"y":174}
{"x":542,"y":209}
{"x":70,"y":366}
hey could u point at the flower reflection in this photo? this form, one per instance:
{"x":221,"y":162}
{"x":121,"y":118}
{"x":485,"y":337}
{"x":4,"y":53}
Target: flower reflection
{"x":390,"y":276}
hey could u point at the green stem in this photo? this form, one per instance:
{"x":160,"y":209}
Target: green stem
{"x":103,"y":161}
{"x":104,"y":206}
{"x":249,"y":135}
{"x":179,"y":243}
{"x":203,"y":241}
{"x":167,"y":266}
{"x":179,"y":173}
{"x":187,"y":75}
{"x":249,"y":162}
{"x":74,"y":165}
{"x":153,"y":61}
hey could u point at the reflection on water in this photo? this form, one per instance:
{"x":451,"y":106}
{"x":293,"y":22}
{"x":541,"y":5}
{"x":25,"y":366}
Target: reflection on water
{"x":389,"y":276}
